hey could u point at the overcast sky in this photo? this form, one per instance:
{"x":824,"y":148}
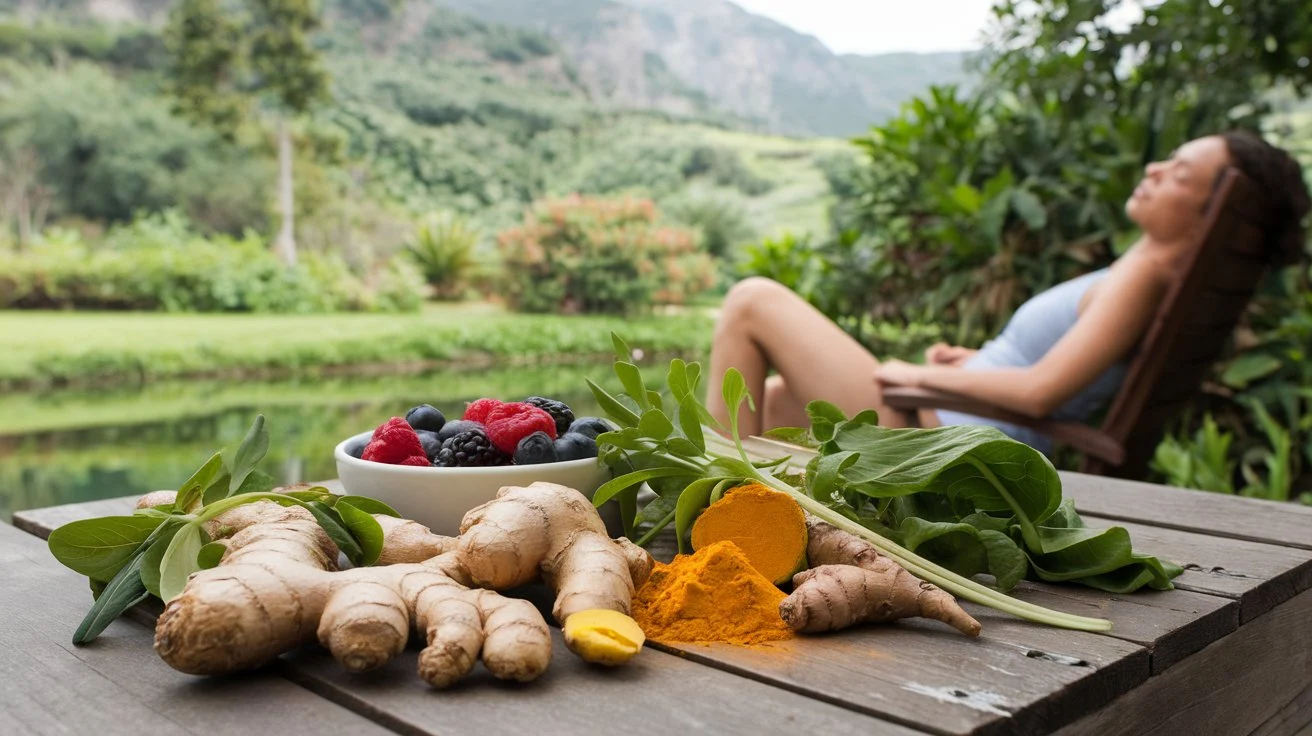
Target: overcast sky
{"x":880,"y":26}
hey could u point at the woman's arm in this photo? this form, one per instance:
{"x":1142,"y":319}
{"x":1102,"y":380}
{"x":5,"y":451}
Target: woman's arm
{"x":1105,"y":333}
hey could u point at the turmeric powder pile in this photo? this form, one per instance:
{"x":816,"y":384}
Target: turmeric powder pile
{"x":714,"y":595}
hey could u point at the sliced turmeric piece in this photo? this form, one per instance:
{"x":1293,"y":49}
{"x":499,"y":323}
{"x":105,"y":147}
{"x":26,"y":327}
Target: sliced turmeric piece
{"x":768,"y":526}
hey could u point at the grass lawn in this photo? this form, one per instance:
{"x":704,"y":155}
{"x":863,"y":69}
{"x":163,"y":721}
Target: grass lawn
{"x":55,"y":348}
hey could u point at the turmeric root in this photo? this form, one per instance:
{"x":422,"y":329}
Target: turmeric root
{"x":854,"y":584}
{"x":278,"y":587}
{"x":553,"y":532}
{"x":766,"y":525}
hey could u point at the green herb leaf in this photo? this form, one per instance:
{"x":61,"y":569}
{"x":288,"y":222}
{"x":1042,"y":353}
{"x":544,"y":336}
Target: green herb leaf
{"x":99,"y":548}
{"x":122,"y":593}
{"x":317,"y":493}
{"x":364,"y":527}
{"x":694,"y":498}
{"x":631,"y":379}
{"x":368,"y":505}
{"x":337,"y":531}
{"x":824,"y":474}
{"x":622,"y":351}
{"x":190,"y":493}
{"x":257,"y":482}
{"x":614,"y":486}
{"x":179,"y":560}
{"x":690,"y":422}
{"x":800,"y":436}
{"x":684,"y":448}
{"x":251,"y":451}
{"x":723,"y":487}
{"x":677,"y":380}
{"x":655,"y":425}
{"x":614,"y":408}
{"x":210,"y":555}
{"x":153,"y":559}
{"x":217,"y":489}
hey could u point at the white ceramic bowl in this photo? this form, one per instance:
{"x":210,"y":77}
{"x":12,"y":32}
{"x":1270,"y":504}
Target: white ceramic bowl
{"x":439,"y":497}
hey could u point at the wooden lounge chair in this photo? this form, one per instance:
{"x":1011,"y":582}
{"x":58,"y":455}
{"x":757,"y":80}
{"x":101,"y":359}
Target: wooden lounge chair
{"x":1186,"y":337}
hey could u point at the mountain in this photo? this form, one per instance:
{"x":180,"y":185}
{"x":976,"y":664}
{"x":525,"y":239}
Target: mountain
{"x":684,"y":56}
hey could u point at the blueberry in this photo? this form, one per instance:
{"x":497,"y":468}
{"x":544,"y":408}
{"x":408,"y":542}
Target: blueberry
{"x":590,"y":427}
{"x":535,"y":449}
{"x":426,"y":417}
{"x":455,"y":427}
{"x":575,"y":446}
{"x":355,"y":448}
{"x":430,"y":442}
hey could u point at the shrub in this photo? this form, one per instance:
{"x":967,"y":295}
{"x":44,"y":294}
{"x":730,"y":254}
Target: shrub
{"x":720,"y":217}
{"x":581,"y":254}
{"x":190,"y":274}
{"x":443,"y":249}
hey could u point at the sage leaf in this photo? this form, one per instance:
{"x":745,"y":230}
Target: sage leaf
{"x":122,"y":593}
{"x":179,"y":560}
{"x":251,"y":451}
{"x":191,"y":492}
{"x":337,"y":531}
{"x":99,"y":548}
{"x":364,"y":527}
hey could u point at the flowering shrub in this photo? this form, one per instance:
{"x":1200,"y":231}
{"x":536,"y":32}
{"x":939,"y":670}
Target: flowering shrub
{"x":583,"y":254}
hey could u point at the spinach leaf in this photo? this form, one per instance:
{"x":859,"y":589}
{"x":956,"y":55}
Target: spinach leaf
{"x":99,"y":548}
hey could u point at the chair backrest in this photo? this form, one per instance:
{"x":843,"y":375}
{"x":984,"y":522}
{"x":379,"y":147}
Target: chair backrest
{"x":1192,"y":325}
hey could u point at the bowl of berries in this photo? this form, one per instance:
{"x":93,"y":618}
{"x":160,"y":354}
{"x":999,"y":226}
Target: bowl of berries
{"x":433,"y":470}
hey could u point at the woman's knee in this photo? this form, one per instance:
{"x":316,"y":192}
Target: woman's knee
{"x":746,"y":298}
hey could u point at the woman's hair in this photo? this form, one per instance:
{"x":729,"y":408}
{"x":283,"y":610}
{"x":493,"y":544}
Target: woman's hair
{"x":1284,"y":191}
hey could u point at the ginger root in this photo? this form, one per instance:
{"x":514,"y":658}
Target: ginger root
{"x":854,"y":584}
{"x":553,"y":532}
{"x":277,"y":587}
{"x":766,"y":525}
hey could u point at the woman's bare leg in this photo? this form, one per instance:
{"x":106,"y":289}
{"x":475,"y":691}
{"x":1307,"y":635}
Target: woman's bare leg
{"x":764,"y":325}
{"x":781,"y":408}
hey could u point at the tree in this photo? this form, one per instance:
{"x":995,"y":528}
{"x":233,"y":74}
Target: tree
{"x":222,"y":64}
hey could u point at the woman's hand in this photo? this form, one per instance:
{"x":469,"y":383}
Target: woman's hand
{"x":950,"y":355}
{"x":898,"y":373}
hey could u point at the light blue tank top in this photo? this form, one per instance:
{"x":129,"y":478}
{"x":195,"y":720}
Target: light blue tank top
{"x":1028,"y":336}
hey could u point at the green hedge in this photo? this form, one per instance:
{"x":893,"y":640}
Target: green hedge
{"x":220,"y":275}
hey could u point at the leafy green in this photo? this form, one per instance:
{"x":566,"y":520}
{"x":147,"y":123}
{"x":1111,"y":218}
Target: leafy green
{"x":155,"y":550}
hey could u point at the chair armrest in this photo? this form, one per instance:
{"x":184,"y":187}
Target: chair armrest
{"x":1080,"y":436}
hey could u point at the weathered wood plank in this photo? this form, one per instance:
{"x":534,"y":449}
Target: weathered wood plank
{"x":1016,"y":678}
{"x":1170,"y":624}
{"x":1237,"y":685}
{"x":1259,"y":576}
{"x":656,"y":694}
{"x":117,"y":684}
{"x":571,"y":698}
{"x":1294,"y":718}
{"x":1215,"y":514}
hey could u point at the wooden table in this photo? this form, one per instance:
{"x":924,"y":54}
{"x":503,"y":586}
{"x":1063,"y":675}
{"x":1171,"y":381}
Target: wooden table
{"x":1228,"y":652}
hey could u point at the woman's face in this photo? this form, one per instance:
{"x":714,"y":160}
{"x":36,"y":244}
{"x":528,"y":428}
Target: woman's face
{"x":1168,"y":204}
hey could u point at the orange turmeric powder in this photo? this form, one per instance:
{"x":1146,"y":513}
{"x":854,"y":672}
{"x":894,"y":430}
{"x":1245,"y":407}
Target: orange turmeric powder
{"x":714,"y":595}
{"x":768,"y":526}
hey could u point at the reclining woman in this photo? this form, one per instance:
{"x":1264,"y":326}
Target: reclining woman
{"x":1063,"y":354}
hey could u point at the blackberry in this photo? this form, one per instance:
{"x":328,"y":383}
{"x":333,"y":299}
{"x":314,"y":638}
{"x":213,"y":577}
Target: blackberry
{"x":558,"y":410}
{"x":469,"y":450}
{"x":455,"y":427}
{"x":590,"y":426}
{"x":430,"y":443}
{"x":426,"y":417}
{"x":575,"y":446}
{"x":535,"y":449}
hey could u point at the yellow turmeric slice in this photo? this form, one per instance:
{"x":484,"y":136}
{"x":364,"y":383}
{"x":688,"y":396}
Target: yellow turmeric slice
{"x":768,"y":526}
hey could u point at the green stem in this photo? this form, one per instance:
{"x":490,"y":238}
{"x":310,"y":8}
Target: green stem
{"x":1027,"y":529}
{"x":660,"y":526}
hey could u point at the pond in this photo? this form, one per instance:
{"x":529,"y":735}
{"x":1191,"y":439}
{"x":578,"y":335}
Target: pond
{"x":69,"y":446}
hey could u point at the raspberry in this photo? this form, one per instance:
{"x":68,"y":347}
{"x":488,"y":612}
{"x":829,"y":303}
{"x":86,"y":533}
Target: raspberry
{"x":558,"y":410}
{"x":509,"y":423}
{"x":393,"y":443}
{"x":470,"y":449}
{"x":418,"y":460}
{"x":478,"y":410}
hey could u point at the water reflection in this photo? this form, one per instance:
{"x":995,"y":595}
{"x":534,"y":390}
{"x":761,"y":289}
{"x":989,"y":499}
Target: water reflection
{"x":64,"y":447}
